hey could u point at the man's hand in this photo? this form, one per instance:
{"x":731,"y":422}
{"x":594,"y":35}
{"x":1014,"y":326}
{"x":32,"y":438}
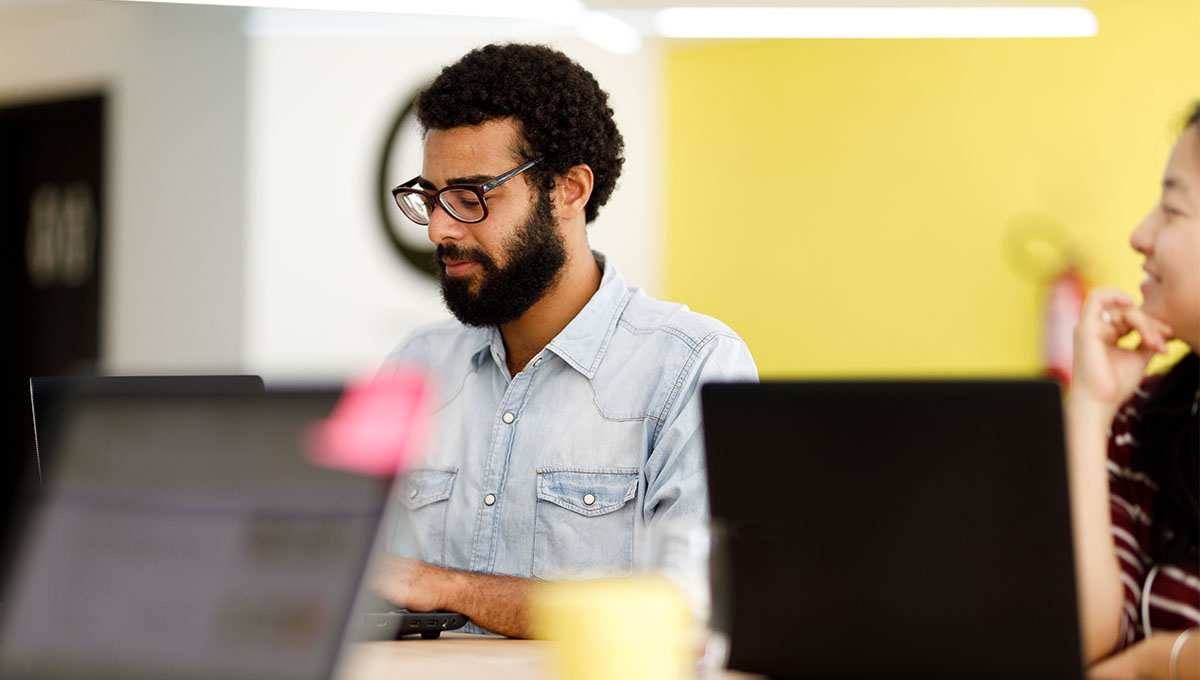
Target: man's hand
{"x":497,"y":603}
{"x":410,"y":584}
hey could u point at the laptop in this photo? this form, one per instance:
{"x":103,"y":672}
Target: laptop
{"x":868,"y":529}
{"x":47,"y":395}
{"x":187,"y":535}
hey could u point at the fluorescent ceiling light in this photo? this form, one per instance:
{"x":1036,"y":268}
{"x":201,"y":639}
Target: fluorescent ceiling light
{"x":558,"y":11}
{"x":875,"y":22}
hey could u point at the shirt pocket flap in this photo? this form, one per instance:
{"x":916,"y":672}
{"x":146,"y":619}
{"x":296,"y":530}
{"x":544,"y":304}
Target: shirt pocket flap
{"x":423,"y":486}
{"x":588,"y":492}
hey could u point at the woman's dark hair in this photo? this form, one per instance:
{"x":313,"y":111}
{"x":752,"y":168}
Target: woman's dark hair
{"x":561,"y":112}
{"x":1170,"y":441}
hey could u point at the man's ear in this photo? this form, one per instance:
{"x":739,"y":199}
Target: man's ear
{"x":573,"y":190}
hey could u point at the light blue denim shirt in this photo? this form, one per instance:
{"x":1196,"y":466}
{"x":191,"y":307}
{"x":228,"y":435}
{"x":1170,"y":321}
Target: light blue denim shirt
{"x":557,"y":471}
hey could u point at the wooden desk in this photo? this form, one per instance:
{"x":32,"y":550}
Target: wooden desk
{"x":457,"y":655}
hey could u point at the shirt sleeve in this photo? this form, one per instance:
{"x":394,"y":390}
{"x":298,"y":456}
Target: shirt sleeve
{"x":676,"y":503}
{"x":676,"y":484}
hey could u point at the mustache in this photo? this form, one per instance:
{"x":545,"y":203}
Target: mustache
{"x":456,"y":252}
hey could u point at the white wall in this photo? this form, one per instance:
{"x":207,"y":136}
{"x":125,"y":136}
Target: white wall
{"x":173,"y":291}
{"x":241,"y":213}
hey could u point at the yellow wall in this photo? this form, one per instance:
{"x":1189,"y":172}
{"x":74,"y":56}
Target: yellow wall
{"x":844,"y":204}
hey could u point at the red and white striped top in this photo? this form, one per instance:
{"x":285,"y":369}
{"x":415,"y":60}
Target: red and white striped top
{"x":1158,"y":597}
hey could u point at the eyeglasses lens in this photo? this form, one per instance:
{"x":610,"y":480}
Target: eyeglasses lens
{"x":462,"y":204}
{"x":414,"y":207}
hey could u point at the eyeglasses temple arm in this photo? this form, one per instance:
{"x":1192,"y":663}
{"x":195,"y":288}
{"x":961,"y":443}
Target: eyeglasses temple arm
{"x":495,"y":182}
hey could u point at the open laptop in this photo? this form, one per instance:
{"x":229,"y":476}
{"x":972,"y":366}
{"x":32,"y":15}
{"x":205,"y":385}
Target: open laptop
{"x":892,"y":529}
{"x":187,"y":535}
{"x":49,"y":394}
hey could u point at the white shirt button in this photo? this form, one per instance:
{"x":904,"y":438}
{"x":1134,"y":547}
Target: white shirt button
{"x":489,"y":499}
{"x":589,"y":499}
{"x":538,"y":362}
{"x":508,"y":417}
{"x":412,"y":493}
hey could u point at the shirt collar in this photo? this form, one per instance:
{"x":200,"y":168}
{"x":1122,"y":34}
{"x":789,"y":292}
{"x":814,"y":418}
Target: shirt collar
{"x":483,"y":339}
{"x":582,"y":343}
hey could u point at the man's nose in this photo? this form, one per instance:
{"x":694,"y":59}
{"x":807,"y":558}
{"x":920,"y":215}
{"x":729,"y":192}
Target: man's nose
{"x":443,"y":227}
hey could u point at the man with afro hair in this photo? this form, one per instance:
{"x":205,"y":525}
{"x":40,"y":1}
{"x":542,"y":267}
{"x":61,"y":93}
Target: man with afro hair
{"x":568,"y":415}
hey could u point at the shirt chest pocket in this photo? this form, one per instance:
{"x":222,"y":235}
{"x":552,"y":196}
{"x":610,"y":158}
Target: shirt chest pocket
{"x":420,"y":530}
{"x":583,"y":522}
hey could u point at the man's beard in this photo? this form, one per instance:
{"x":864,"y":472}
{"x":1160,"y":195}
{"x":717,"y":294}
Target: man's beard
{"x":535,"y":256}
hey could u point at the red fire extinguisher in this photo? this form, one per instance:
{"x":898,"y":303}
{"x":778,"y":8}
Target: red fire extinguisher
{"x":1063,"y":302}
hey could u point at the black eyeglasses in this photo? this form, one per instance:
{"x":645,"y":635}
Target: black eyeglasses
{"x":463,"y":202}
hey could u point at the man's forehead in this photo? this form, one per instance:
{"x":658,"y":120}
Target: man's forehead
{"x":485,"y":150}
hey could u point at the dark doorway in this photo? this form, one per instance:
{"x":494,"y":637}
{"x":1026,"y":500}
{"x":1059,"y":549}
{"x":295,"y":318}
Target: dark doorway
{"x":52,"y":216}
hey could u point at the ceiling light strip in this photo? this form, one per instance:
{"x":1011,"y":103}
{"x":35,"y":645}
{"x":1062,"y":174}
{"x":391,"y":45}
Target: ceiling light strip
{"x":875,"y":22}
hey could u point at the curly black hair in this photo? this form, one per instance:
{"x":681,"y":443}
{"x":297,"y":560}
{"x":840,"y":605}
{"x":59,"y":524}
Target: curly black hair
{"x":562,"y":113}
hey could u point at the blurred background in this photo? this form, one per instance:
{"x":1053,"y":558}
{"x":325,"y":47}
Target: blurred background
{"x":197,"y":188}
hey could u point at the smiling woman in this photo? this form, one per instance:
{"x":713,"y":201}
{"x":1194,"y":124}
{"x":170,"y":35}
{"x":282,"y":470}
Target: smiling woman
{"x":1137,"y":517}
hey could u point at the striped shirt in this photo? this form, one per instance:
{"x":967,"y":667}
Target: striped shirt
{"x":1158,"y":597}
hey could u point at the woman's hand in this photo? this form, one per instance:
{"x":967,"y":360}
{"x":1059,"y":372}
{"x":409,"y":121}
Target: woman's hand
{"x":1149,"y":658}
{"x":1105,"y":374}
{"x":1125,"y":665}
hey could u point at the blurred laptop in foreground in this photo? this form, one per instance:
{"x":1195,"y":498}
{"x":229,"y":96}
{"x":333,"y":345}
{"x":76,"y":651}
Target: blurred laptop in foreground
{"x":47,"y":397}
{"x":892,"y":529}
{"x":188,"y":535}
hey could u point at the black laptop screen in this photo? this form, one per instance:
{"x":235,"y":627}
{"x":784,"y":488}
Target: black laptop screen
{"x":892,"y":528}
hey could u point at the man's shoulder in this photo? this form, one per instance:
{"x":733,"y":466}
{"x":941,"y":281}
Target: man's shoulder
{"x":644,"y":315}
{"x":660,"y":352}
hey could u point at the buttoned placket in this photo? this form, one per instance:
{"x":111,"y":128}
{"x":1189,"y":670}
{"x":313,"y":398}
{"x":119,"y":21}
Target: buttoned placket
{"x":508,"y":419}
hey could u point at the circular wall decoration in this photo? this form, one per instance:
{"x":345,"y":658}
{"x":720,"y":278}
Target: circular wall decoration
{"x":400,"y":148}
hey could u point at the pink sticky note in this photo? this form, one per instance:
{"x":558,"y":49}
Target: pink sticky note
{"x":378,"y":426}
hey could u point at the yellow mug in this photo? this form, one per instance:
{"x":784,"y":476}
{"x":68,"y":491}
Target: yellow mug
{"x":637,"y":627}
